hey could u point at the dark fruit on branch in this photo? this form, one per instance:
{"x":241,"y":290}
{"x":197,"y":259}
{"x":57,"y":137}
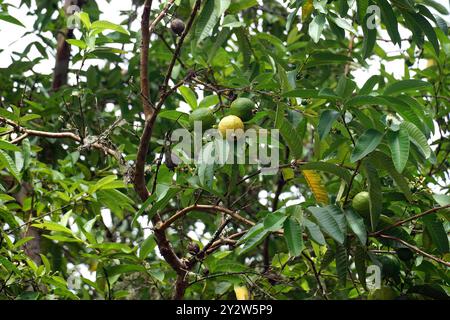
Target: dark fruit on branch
{"x":193,"y":248}
{"x":177,"y":26}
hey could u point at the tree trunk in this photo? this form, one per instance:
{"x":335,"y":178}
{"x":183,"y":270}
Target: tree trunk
{"x":62,"y":57}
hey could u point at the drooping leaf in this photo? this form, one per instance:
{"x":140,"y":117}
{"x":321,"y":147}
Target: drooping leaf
{"x":375,"y":194}
{"x":367,"y":143}
{"x":6,"y":161}
{"x":327,"y":117}
{"x":329,"y":219}
{"x":398,"y":142}
{"x":357,"y":225}
{"x":316,"y":186}
{"x":406,"y":86}
{"x":293,"y":236}
{"x":417,"y":137}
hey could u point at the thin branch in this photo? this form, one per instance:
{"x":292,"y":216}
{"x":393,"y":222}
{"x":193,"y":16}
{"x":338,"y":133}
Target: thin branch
{"x":414,"y":248}
{"x":316,"y":274}
{"x":145,"y":32}
{"x":205,"y":208}
{"x":179,"y":45}
{"x":401,"y":222}
{"x":56,"y":135}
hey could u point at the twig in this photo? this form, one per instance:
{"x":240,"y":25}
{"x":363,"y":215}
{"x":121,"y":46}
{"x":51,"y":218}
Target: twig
{"x":69,"y":135}
{"x":205,"y":208}
{"x":316,"y":274}
{"x":401,"y":222}
{"x":414,"y":248}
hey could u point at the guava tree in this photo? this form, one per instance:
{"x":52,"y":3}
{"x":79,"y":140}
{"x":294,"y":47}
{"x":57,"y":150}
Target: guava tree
{"x":357,"y":207}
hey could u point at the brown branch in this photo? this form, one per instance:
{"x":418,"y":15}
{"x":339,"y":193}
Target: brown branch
{"x":316,"y":275}
{"x":414,"y":248}
{"x":57,"y":135}
{"x":164,"y":245}
{"x":145,"y":32}
{"x":179,"y":45}
{"x":205,"y":208}
{"x":401,"y":222}
{"x":62,"y":57}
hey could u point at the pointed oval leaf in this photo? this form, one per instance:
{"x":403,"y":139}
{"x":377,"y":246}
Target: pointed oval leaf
{"x":366,"y":144}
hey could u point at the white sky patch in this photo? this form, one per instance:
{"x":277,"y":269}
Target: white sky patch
{"x":106,"y":216}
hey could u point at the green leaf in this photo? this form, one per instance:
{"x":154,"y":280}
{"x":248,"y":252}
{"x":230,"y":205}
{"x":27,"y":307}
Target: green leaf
{"x":101,"y":25}
{"x":341,"y":172}
{"x":53,"y":226}
{"x":369,"y":85}
{"x":6,"y":161}
{"x":356,"y":223}
{"x":361,"y":6}
{"x":427,"y":29}
{"x":209,"y":101}
{"x":5,"y":145}
{"x":314,"y":231}
{"x":406,"y":86}
{"x":367,"y":143}
{"x":143,"y":207}
{"x":274,"y":221}
{"x":124,"y":268}
{"x":293,"y":236}
{"x":316,"y":27}
{"x":78,"y":43}
{"x":326,"y":120}
{"x":289,"y":134}
{"x":375,"y":195}
{"x":102,"y":183}
{"x":301,"y":93}
{"x":417,"y":137}
{"x":398,"y":142}
{"x":239,"y":5}
{"x":341,"y":264}
{"x":366,"y":100}
{"x":390,"y":20}
{"x":437,"y":232}
{"x":8,"y":265}
{"x":329,"y":219}
{"x":360,"y":264}
{"x":206,"y":165}
{"x":254,"y":236}
{"x":163,"y":202}
{"x":189,"y":96}
{"x":383,"y":161}
{"x":370,"y":38}
{"x":5,"y":16}
{"x":221,"y":38}
{"x":147,"y":246}
{"x":209,"y":16}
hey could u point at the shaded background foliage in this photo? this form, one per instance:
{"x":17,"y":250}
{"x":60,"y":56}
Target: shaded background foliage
{"x":296,"y":61}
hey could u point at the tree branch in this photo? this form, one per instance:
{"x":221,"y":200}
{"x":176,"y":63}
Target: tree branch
{"x":414,"y":248}
{"x":401,"y":222}
{"x":57,"y":135}
{"x":205,"y":208}
{"x":145,"y":32}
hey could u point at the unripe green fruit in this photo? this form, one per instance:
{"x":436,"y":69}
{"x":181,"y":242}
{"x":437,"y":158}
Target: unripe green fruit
{"x":204,"y":115}
{"x":177,"y":26}
{"x":361,"y":204}
{"x":404,"y":254}
{"x":391,"y":266}
{"x":384,"y":293}
{"x":242,"y":108}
